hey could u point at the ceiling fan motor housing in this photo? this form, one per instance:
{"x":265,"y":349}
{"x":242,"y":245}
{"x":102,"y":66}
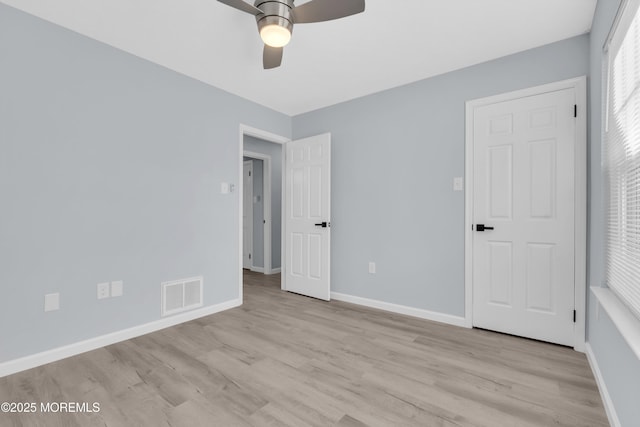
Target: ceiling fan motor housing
{"x":275,"y":12}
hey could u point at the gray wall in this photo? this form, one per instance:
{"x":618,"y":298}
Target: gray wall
{"x":620,"y":367}
{"x":110,"y":169}
{"x":275,"y":151}
{"x":394,"y":156}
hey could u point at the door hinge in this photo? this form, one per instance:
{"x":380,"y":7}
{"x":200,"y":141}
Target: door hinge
{"x":249,"y":173}
{"x":575,"y":110}
{"x":574,"y":316}
{"x":249,"y":256}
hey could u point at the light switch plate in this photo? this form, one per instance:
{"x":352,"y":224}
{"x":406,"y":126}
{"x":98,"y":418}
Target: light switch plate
{"x":52,"y":302}
{"x":224,"y":188}
{"x":458,"y":183}
{"x":372,"y":267}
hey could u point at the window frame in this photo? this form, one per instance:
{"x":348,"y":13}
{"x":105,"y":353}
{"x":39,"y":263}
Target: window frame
{"x":619,"y":310}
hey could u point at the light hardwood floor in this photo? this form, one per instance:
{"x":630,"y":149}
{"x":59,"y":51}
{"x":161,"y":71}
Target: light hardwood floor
{"x":284,"y":359}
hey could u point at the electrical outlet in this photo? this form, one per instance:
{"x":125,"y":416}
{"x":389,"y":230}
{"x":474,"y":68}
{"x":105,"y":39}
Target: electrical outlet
{"x":52,"y":302}
{"x":372,"y":267}
{"x":103,"y":290}
{"x":117,"y":288}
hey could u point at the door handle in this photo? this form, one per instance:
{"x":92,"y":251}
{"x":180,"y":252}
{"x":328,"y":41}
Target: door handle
{"x":323,"y":224}
{"x":482,"y":227}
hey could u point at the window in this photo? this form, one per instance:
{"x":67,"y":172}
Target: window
{"x":622,"y":158}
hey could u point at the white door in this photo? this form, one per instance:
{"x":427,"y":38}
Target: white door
{"x":307,"y":216}
{"x":247,"y":214}
{"x":524,"y":187}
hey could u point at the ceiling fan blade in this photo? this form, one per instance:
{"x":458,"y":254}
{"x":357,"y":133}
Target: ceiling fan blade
{"x":326,"y":10}
{"x":243,"y":6}
{"x":271,"y":57}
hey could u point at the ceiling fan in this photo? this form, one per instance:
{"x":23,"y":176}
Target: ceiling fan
{"x":275,"y":20}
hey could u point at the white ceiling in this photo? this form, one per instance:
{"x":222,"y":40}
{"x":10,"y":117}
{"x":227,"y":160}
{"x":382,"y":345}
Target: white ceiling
{"x":392,"y":43}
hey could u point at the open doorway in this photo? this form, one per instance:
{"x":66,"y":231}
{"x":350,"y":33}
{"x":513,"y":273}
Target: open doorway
{"x":261,"y":231}
{"x":304,"y":215}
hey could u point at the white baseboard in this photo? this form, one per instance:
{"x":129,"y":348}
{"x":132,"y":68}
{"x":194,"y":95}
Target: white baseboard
{"x":262,"y":270}
{"x":604,"y":393}
{"x":402,"y":309}
{"x":38,"y":359}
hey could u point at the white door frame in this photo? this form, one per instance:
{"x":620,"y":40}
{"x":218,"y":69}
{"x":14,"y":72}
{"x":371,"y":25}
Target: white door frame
{"x":580,"y":288}
{"x":249,"y":230}
{"x":266,"y":136}
{"x":266,"y":205}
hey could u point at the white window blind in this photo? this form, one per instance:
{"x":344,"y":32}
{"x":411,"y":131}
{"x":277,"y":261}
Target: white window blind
{"x":622,"y":159}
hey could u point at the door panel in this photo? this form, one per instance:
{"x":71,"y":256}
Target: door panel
{"x":315,"y":192}
{"x":539,"y":277}
{"x":500,"y":262}
{"x":247,"y":214}
{"x":315,"y":256}
{"x":500,"y":185}
{"x":542,"y":166}
{"x":297,"y":255}
{"x":307,"y":203}
{"x":524,"y":187}
{"x":297,"y":193}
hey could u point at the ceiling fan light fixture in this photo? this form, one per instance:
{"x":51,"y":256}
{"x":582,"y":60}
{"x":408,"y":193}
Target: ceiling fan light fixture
{"x":275,"y":19}
{"x":275,"y":35}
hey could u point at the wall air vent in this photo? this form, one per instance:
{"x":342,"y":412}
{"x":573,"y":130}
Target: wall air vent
{"x":181,"y":295}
